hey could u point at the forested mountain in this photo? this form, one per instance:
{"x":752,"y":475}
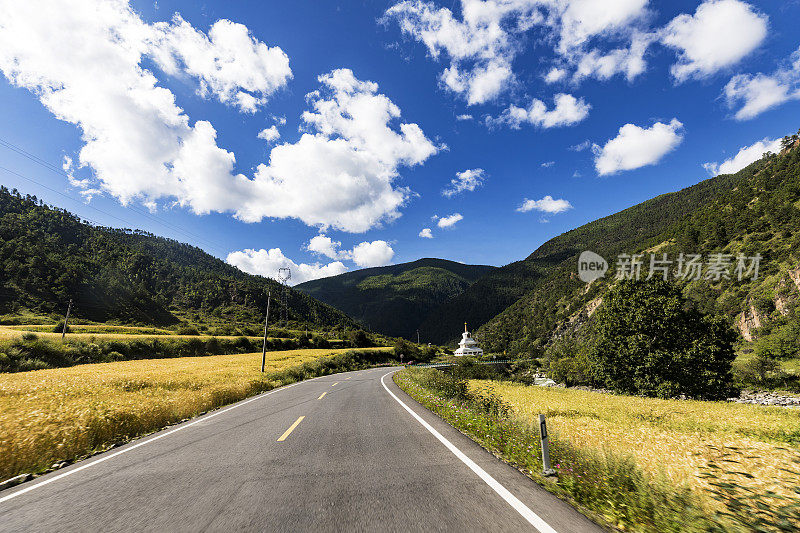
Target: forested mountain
{"x":755,"y":211}
{"x":393,"y":299}
{"x":623,"y":231}
{"x":49,"y":256}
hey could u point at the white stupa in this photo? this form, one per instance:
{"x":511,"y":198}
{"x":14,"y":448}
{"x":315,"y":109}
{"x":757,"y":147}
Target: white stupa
{"x":467,"y":346}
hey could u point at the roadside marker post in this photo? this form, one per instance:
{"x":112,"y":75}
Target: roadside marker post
{"x":547,"y":469}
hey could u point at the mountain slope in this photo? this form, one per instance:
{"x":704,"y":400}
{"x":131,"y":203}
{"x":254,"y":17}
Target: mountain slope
{"x":607,"y":236}
{"x":392,"y":299}
{"x":755,"y":211}
{"x":48,"y":256}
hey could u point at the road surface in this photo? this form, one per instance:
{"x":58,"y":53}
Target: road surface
{"x":348,"y":452}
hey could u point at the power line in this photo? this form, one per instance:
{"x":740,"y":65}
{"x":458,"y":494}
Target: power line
{"x":55,"y":169}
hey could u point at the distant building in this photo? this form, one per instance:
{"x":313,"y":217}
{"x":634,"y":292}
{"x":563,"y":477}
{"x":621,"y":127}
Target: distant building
{"x":467,"y":346}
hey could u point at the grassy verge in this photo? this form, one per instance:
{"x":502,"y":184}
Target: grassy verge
{"x":47,"y":416}
{"x":36,"y":351}
{"x":609,"y":482}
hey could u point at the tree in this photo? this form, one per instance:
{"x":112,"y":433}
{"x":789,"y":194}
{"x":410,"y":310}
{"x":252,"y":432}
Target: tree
{"x":359,"y":339}
{"x":653,"y":341}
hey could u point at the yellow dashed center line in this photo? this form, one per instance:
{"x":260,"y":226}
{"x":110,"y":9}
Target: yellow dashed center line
{"x":335,"y":384}
{"x":291,"y":428}
{"x":348,"y":377}
{"x":321,"y":396}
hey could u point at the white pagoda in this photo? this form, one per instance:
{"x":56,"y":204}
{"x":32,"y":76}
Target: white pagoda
{"x":467,"y":345}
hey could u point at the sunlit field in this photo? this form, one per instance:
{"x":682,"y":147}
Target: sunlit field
{"x":90,"y":334}
{"x":673,"y":437}
{"x":63,"y":413}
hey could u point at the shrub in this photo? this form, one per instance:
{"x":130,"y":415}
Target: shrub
{"x":186,"y":329}
{"x":29,"y":336}
{"x":652,"y":341}
{"x":569,"y":362}
{"x":443,"y":384}
{"x":782,"y":343}
{"x":9,"y":320}
{"x":212,"y":346}
{"x":359,"y":339}
{"x":114,"y":356}
{"x":59,"y":328}
{"x":469,"y":368}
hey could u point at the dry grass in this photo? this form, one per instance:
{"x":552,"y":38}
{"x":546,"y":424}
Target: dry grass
{"x":673,"y":437}
{"x":63,"y":413}
{"x":95,"y":328}
{"x":16,"y":332}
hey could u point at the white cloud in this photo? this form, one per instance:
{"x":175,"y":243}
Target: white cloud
{"x":568,"y":111}
{"x":463,"y":117}
{"x":719,"y":34}
{"x":555,"y":75}
{"x":468,"y":180}
{"x":636,"y":147}
{"x":761,"y":92}
{"x":628,"y":61}
{"x":372,"y":254}
{"x":342,"y":176}
{"x":481,"y":46}
{"x":267,"y":262}
{"x":142,"y":146}
{"x":546,"y":205}
{"x":324,"y":245}
{"x":584,"y":19}
{"x":580,"y":147}
{"x":269,"y":134}
{"x":365,"y":254}
{"x":450,"y":221}
{"x":426,"y":233}
{"x":745,"y":156}
{"x":229,"y":63}
{"x":547,"y":164}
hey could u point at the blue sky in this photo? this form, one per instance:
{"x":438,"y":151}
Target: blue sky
{"x":656,"y":96}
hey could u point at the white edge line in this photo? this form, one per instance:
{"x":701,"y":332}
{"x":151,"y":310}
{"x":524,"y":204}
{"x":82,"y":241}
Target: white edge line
{"x":532,"y":518}
{"x":148,"y":441}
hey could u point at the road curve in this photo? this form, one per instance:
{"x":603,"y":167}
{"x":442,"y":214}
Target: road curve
{"x":341,"y":452}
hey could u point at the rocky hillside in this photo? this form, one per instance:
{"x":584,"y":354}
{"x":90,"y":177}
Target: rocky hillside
{"x":755,"y":211}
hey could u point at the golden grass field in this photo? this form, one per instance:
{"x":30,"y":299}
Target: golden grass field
{"x":94,"y":328}
{"x":63,"y":413}
{"x":675,"y":437}
{"x":13,"y":332}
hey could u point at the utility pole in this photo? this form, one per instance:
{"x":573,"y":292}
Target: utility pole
{"x":284,"y":275}
{"x":266,"y":324}
{"x":417,"y":336}
{"x":66,"y":319}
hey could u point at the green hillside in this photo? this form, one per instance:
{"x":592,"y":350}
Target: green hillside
{"x":393,"y":299}
{"x":49,"y":256}
{"x":633,"y":228}
{"x":756,"y":210}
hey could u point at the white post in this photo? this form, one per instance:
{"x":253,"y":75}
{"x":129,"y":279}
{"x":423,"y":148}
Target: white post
{"x":547,"y":469}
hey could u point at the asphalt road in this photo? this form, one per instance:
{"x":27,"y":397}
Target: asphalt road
{"x":358,"y":460}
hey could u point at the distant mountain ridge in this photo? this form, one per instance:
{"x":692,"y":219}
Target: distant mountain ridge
{"x":49,"y":256}
{"x":394,"y":299}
